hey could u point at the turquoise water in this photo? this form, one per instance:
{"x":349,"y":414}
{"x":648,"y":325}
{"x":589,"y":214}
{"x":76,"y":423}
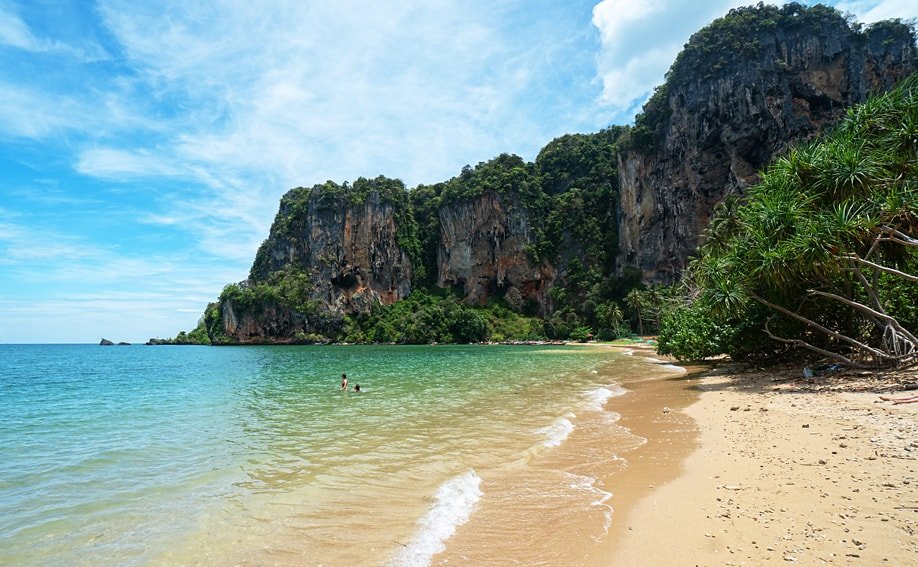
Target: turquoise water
{"x":143,"y":455}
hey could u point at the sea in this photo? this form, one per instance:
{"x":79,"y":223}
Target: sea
{"x":191,"y":455}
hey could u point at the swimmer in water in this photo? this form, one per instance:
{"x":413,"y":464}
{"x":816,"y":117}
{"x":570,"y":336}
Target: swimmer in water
{"x":344,"y":382}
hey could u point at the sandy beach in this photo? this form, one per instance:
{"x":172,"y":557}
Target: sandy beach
{"x":765,"y":468}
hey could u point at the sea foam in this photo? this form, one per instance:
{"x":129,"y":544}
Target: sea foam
{"x":454,"y":502}
{"x":600,"y":497}
{"x":597,"y":398}
{"x":666,"y":366}
{"x":557,"y":432}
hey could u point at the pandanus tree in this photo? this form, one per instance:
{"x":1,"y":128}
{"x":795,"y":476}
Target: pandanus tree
{"x":828,"y":241}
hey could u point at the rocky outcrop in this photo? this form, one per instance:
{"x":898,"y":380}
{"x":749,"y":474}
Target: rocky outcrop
{"x":483,"y":250}
{"x":723,"y":115}
{"x":332,"y":251}
{"x":348,"y":251}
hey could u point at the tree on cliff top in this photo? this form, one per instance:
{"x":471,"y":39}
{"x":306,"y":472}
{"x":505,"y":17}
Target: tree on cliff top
{"x":823,"y":253}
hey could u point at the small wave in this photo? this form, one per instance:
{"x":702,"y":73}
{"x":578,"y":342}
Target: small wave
{"x":597,"y":398}
{"x":557,"y":432}
{"x":588,"y":484}
{"x":455,"y":500}
{"x":666,"y":366}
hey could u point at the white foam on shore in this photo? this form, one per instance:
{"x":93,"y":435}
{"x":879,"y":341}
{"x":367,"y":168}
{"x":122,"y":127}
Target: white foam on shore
{"x":588,"y":484}
{"x":666,"y":366}
{"x":453,"y":505}
{"x":597,"y":398}
{"x":557,"y":432}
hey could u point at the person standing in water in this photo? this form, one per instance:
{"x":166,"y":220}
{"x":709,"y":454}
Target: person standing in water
{"x":344,"y":382}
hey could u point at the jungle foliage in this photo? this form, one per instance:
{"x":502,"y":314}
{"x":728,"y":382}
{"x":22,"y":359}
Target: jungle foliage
{"x":822,"y":255}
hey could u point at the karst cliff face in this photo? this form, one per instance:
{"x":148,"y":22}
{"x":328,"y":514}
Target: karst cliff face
{"x":483,"y":249}
{"x":348,"y":251}
{"x":726,"y":116}
{"x":335,"y":255}
{"x":551,"y":236}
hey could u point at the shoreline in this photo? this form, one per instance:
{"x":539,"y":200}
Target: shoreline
{"x":770,"y":471}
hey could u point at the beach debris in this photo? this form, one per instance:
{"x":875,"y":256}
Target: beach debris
{"x":666,"y":409}
{"x":734,"y":408}
{"x":806,"y":425}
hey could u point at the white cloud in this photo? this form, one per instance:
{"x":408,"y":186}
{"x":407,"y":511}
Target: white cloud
{"x":869,"y":11}
{"x":83,"y":291}
{"x":14,"y":32}
{"x":120,"y":164}
{"x":30,"y":113}
{"x":640,"y":40}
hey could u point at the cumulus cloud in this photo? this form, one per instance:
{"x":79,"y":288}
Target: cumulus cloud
{"x":640,"y":40}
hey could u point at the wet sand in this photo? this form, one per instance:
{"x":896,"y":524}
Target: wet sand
{"x":777,"y":475}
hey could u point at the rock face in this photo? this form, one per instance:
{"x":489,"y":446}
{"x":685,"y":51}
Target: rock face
{"x":745,"y":89}
{"x":483,"y":249}
{"x":339,"y":253}
{"x":348,"y":250}
{"x":726,"y":115}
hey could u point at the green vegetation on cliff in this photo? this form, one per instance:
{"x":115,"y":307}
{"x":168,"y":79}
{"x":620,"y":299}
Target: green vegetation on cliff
{"x":569,"y":195}
{"x":822,"y":255}
{"x":545,"y":250}
{"x":737,"y":40}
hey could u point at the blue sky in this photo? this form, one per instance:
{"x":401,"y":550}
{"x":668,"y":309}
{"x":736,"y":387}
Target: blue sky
{"x":144,"y":145}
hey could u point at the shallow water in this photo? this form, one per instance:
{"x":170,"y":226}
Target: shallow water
{"x":252,"y":455}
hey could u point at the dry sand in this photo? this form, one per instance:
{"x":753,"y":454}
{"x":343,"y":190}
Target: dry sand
{"x":776,"y":473}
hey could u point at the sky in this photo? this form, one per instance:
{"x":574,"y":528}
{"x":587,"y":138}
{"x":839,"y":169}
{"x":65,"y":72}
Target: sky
{"x":144,"y":146}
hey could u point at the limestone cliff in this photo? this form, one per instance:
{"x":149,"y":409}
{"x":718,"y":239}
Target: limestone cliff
{"x":332,"y":251}
{"x":550,"y":236}
{"x":483,"y":248}
{"x":745,"y":89}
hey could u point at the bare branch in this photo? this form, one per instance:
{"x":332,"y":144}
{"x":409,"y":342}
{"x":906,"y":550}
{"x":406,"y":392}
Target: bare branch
{"x":806,"y":345}
{"x":826,"y":330}
{"x":861,"y":307}
{"x":897,"y":236}
{"x":871,"y":291}
{"x":855,"y":258}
